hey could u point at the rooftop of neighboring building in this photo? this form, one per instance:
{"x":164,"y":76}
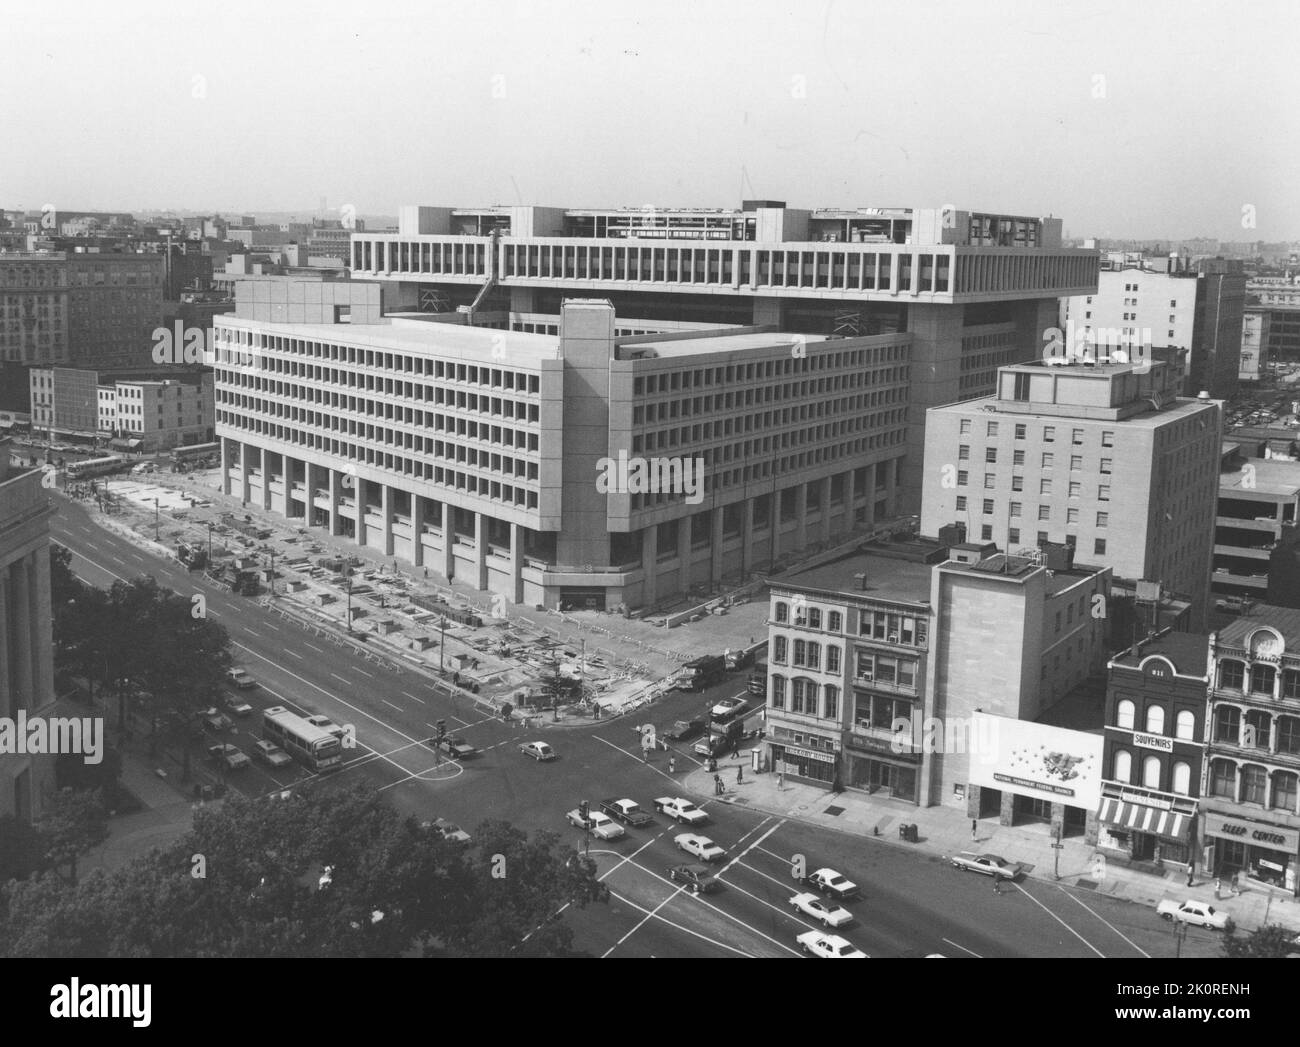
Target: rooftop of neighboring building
{"x":1020,"y":568}
{"x":884,"y":577}
{"x":1189,"y":653}
{"x":1286,"y":620}
{"x":1081,"y":708}
{"x":695,"y":344}
{"x":1265,"y":476}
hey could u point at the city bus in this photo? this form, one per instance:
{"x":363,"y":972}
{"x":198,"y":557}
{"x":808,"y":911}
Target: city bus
{"x":95,"y":467}
{"x":194,"y":452}
{"x":313,"y":746}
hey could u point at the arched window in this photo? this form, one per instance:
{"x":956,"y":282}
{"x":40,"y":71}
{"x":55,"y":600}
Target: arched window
{"x":1151,"y":772}
{"x":778,"y":692}
{"x":832,"y":702}
{"x":1185,"y":725}
{"x":800,"y":652}
{"x":832,"y":659}
{"x":782,"y":612}
{"x":1183,"y":778}
{"x":1255,"y":732}
{"x":778,"y":649}
{"x":814,"y":618}
{"x":833,"y":622}
{"x":1123,"y":766}
{"x":1156,"y":719}
{"x":1124,"y":713}
{"x":803,"y":696}
{"x":814,"y":655}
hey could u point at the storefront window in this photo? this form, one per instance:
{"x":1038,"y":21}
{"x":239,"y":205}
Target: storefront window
{"x":1284,"y":791}
{"x":1227,"y":724}
{"x":1223,"y":779}
{"x":1231,"y":674}
{"x":1252,"y":784}
{"x":1124,"y":714}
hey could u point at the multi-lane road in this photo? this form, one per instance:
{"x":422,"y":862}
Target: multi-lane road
{"x":912,"y":904}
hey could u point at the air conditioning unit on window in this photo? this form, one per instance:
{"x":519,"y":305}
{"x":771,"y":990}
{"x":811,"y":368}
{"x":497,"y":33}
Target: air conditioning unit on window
{"x":893,"y":637}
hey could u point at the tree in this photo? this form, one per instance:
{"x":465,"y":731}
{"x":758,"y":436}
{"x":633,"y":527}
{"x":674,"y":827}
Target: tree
{"x":73,"y":824}
{"x":250,"y":880}
{"x":22,"y":850}
{"x":1270,"y":940}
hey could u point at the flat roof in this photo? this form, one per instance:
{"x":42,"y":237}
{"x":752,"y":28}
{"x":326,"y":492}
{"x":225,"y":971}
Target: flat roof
{"x":1002,"y":565}
{"x":723,"y":343}
{"x":887,"y":578}
{"x":1270,"y":476}
{"x":1179,"y":409}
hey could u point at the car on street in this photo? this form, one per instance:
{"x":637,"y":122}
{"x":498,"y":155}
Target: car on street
{"x":697,"y":879}
{"x":829,"y":946}
{"x":537,"y":750}
{"x":236,"y":705}
{"x":271,"y":754}
{"x":215,"y":720}
{"x":597,"y":824}
{"x":626,"y":811}
{"x":240,"y":679}
{"x":680,"y":810}
{"x":326,"y":724}
{"x":728,"y":708}
{"x":228,"y":755}
{"x":1199,"y":914}
{"x":453,"y":745}
{"x":701,"y":846}
{"x":448,"y":830}
{"x":988,"y":864}
{"x":828,"y":914}
{"x":828,"y":881}
{"x":683,"y":730}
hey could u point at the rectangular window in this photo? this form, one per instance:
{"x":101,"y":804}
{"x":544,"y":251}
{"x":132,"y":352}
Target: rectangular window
{"x":990,"y":454}
{"x":1045,"y":486}
{"x":1099,"y":547}
{"x":1107,"y":438}
{"x":993,"y":428}
{"x":965,"y":426}
{"x":961,"y":503}
{"x":1105,"y":465}
{"x":1072,"y":516}
{"x":1077,"y":437}
{"x":988,"y":506}
{"x":1049,"y":434}
{"x":986,"y":533}
{"x":1017,"y":483}
{"x":963,"y":453}
{"x":1103,"y":493}
{"x":1018,"y":458}
{"x":1021,"y":391}
{"x":1042,"y":537}
{"x":1013,"y":536}
{"x":1103,"y":519}
{"x":1047,"y":460}
{"x":1015,"y":508}
{"x":1076,"y":462}
{"x":1076,"y":489}
{"x":1021,"y":428}
{"x":1044,"y":512}
{"x":990,"y":481}
{"x":962,"y":477}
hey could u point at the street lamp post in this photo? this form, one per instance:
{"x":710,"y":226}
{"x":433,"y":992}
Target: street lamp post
{"x":442,"y":647}
{"x":155,"y":519}
{"x":209,"y":541}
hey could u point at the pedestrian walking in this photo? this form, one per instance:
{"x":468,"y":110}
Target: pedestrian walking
{"x":740,"y":774}
{"x":1218,"y":888}
{"x":780,"y":779}
{"x":735,"y":750}
{"x":997,"y":885}
{"x":672,"y":764}
{"x":1236,"y":890}
{"x":974,"y":827}
{"x":1189,"y":874}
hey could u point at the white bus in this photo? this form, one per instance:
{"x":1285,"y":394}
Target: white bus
{"x":314,"y":746}
{"x":95,"y":467}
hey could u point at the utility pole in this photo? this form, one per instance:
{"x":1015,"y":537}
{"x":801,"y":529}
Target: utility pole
{"x":1056,"y":851}
{"x":209,"y":541}
{"x":155,"y":519}
{"x":442,"y":647}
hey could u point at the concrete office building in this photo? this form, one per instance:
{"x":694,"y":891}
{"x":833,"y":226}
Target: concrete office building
{"x":483,"y":454}
{"x":1250,"y":806}
{"x":68,"y":309}
{"x":1197,"y":306}
{"x":1256,"y":332}
{"x":1255,"y":534}
{"x":26,"y":646}
{"x":1103,"y":458}
{"x":970,"y":291}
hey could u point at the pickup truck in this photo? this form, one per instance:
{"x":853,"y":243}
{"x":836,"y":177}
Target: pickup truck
{"x":704,"y":672}
{"x":597,"y":824}
{"x":680,"y":810}
{"x":626,"y":811}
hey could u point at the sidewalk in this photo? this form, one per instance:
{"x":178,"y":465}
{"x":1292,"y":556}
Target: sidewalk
{"x":947,"y":830}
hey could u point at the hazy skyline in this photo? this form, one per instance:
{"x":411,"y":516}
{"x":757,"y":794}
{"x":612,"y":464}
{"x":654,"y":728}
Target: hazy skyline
{"x":1155,"y":120}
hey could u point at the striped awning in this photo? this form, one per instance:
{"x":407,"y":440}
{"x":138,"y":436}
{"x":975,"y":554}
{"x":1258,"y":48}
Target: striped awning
{"x":1173,"y":825}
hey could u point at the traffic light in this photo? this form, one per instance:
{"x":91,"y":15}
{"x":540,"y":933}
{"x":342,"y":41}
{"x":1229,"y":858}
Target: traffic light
{"x":442,"y":729}
{"x":583,"y":809}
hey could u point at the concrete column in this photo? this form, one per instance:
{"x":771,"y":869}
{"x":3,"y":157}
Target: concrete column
{"x":891,"y":473}
{"x":649,"y":563}
{"x":826,"y":509}
{"x":20,"y":578}
{"x":243,"y":473}
{"x":747,"y":537}
{"x":800,"y":515}
{"x":418,"y":503}
{"x":225,"y":467}
{"x":849,"y":496}
{"x":359,"y":489}
{"x":715,"y":548}
{"x":336,"y":493}
{"x":684,"y":553}
{"x":516,"y":563}
{"x":386,"y":510}
{"x":42,"y":617}
{"x":448,"y":540}
{"x":871,"y":495}
{"x":266,"y":480}
{"x":480,"y":551}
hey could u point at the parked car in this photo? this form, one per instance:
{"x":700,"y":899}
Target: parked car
{"x":240,"y":679}
{"x":537,"y":750}
{"x":828,"y":881}
{"x":988,"y":864}
{"x":683,"y":730}
{"x":701,"y":846}
{"x":728,"y":708}
{"x":448,"y":830}
{"x":597,"y":824}
{"x":829,"y":946}
{"x":235,"y":704}
{"x":1199,"y":914}
{"x":826,"y":913}
{"x":214,"y":720}
{"x":271,"y":754}
{"x":229,"y":755}
{"x":696,"y":878}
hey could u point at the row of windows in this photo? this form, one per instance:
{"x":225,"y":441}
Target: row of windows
{"x":1184,"y":727}
{"x":1077,"y":436}
{"x":1250,"y":784}
{"x":1152,"y":773}
{"x":879,"y":625}
{"x":1263,"y":679}
{"x":1047,"y":460}
{"x":851,"y":361}
{"x":1257,"y":729}
{"x":804,"y":695}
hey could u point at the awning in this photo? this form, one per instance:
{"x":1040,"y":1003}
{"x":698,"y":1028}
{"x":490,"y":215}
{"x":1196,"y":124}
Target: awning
{"x":1173,"y":825}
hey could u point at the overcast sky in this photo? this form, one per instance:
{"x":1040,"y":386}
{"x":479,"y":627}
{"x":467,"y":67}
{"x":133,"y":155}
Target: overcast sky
{"x":1160,"y":118}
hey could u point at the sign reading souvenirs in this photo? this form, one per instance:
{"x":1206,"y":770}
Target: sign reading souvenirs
{"x":1153,"y":741}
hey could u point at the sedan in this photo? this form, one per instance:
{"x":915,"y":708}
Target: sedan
{"x":448,"y":830}
{"x":826,"y":913}
{"x":228,"y":755}
{"x":597,"y":824}
{"x":701,"y":846}
{"x":537,"y":750}
{"x":240,"y":678}
{"x":235,"y":704}
{"x":828,"y":881}
{"x":729,"y":707}
{"x":326,"y":724}
{"x":829,"y":946}
{"x":271,"y":754}
{"x":1199,"y":914}
{"x":456,"y":747}
{"x":696,"y":878}
{"x":215,"y":720}
{"x":988,"y":864}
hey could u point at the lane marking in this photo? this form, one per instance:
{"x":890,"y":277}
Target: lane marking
{"x":293,"y":654}
{"x":1139,"y":948}
{"x":392,"y":706}
{"x":961,"y":947}
{"x":313,"y":647}
{"x":354,"y":669}
{"x":1059,"y":920}
{"x":413,"y":698}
